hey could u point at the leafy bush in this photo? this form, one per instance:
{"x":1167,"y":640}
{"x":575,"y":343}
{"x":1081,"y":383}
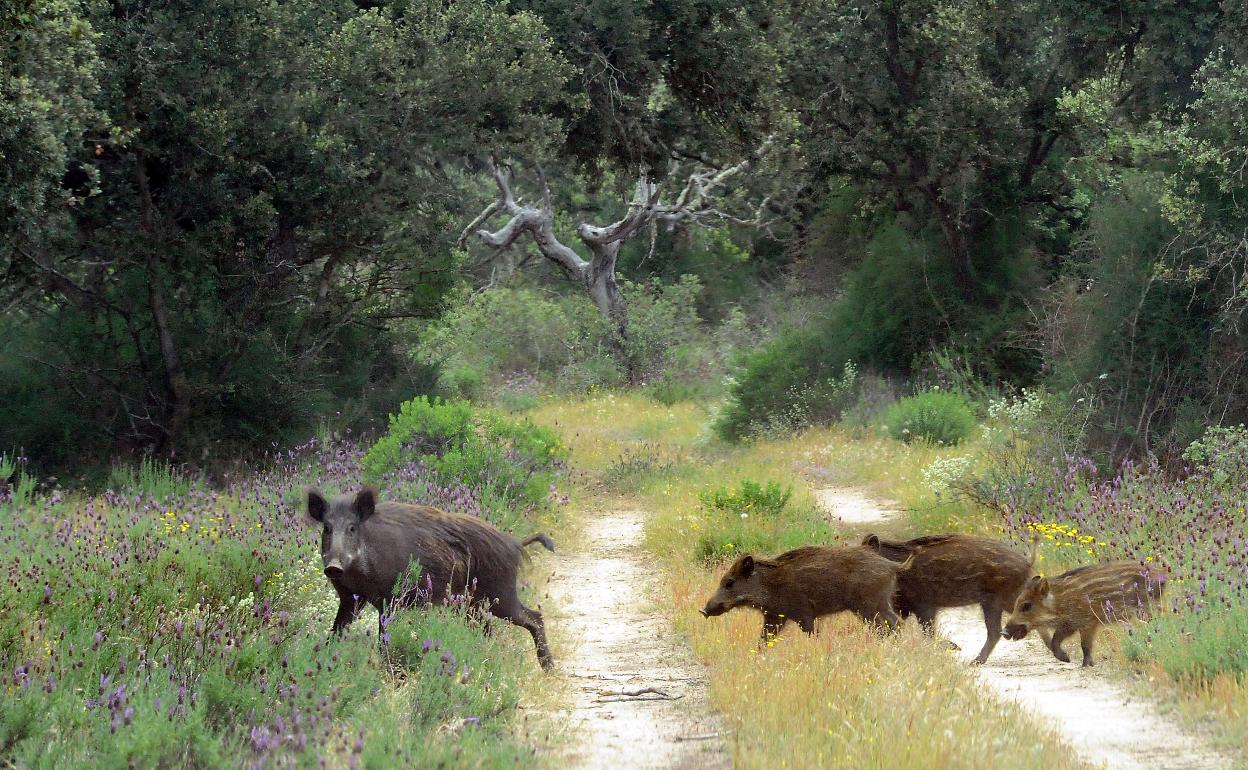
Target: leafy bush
{"x":506,"y":330}
{"x":770,"y":386}
{"x":512,"y":462}
{"x":936,"y":416}
{"x":750,"y":498}
{"x":562,"y":341}
{"x":1221,"y":451}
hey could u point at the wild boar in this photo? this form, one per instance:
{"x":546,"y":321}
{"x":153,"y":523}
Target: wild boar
{"x":955,"y":570}
{"x":1083,"y":600}
{"x":808,"y":583}
{"x":367,"y":546}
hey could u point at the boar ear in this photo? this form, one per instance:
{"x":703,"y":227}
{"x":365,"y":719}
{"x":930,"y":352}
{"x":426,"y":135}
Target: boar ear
{"x":365,"y":503}
{"x":747,"y":565}
{"x":316,"y":505}
{"x":1042,"y":585}
{"x":872,"y":541}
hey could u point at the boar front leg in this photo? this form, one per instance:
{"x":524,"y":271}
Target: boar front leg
{"x":1055,"y":644}
{"x":348,"y":607}
{"x":772,"y":623}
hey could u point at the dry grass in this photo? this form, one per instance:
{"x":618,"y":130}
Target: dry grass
{"x":844,"y":698}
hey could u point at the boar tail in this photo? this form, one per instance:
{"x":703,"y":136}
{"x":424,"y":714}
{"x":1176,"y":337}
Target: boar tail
{"x":1035,"y":548}
{"x":538,"y":538}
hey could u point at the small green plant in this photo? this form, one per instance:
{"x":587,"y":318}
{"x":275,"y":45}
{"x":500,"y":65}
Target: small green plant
{"x":158,"y":479}
{"x":750,"y":498}
{"x":636,"y":466}
{"x":936,"y":416}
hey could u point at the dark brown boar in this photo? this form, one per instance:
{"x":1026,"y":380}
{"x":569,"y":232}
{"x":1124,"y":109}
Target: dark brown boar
{"x":1083,"y":600}
{"x":955,"y":570}
{"x":367,"y":546}
{"x":807,"y":583}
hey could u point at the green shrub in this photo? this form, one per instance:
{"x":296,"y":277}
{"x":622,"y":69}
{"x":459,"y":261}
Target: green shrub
{"x":936,"y":416}
{"x":750,"y":498}
{"x":513,"y":462}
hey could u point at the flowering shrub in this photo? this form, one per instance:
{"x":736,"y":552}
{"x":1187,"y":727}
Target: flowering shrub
{"x":191,"y":629}
{"x":944,"y":472}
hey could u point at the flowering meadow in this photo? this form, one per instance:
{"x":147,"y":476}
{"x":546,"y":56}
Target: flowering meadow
{"x":172,"y":624}
{"x":1192,"y":524}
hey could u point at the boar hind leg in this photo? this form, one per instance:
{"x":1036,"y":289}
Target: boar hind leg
{"x":1055,"y":644}
{"x":927,"y":620}
{"x":529,"y":620}
{"x":992,"y":622}
{"x":348,"y":607}
{"x":880,"y":617}
{"x":1086,"y":637}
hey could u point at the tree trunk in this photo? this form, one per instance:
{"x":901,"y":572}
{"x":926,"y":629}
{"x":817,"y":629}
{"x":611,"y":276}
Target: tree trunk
{"x":178,"y":406}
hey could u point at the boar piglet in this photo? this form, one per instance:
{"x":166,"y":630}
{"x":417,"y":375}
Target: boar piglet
{"x":366,"y":546}
{"x":955,"y":570}
{"x":1083,"y":600}
{"x":807,"y":583}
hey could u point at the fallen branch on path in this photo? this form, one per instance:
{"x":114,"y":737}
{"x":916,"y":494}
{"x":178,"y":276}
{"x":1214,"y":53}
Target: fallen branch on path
{"x":624,"y":695}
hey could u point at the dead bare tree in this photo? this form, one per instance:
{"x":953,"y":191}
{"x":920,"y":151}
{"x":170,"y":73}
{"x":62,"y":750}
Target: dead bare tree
{"x":694,"y":205}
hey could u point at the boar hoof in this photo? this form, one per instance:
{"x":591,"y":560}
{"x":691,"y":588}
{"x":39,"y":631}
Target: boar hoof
{"x":1088,"y":662}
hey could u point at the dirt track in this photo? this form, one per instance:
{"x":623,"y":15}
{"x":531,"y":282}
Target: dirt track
{"x":613,"y":638}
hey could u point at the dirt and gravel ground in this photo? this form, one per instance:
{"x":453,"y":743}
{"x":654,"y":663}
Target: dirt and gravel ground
{"x":638,"y":696}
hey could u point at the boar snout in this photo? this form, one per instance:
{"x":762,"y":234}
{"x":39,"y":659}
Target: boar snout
{"x":334,"y":570}
{"x":704,"y":613}
{"x":712,"y":610}
{"x":1015,"y":631}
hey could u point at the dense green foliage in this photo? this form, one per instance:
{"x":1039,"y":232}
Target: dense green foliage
{"x":1051,"y":189}
{"x":937,"y":416}
{"x":259,"y":191}
{"x":511,"y":463}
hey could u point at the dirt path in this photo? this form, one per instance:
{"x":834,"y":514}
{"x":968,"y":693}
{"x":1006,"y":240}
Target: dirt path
{"x":1103,"y":721}
{"x":612,"y":638}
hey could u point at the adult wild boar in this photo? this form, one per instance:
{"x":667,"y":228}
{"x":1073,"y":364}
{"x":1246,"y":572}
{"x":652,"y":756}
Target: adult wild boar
{"x":367,"y":546}
{"x":807,"y":583}
{"x":955,"y":570}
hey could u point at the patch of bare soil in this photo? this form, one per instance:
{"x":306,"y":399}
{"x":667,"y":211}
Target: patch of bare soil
{"x":851,"y":506}
{"x":639,"y":697}
{"x":1101,"y":719}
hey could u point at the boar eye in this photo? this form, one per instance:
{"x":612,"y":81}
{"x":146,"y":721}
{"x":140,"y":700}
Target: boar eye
{"x":1026,"y":606}
{"x":351,"y":529}
{"x":728,"y":583}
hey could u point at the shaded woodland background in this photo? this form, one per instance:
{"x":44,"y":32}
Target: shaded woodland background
{"x":226,"y":223}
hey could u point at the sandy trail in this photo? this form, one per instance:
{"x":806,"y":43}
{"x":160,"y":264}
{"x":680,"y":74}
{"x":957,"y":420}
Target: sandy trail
{"x":851,"y":506}
{"x":1106,"y":724}
{"x":612,"y":638}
